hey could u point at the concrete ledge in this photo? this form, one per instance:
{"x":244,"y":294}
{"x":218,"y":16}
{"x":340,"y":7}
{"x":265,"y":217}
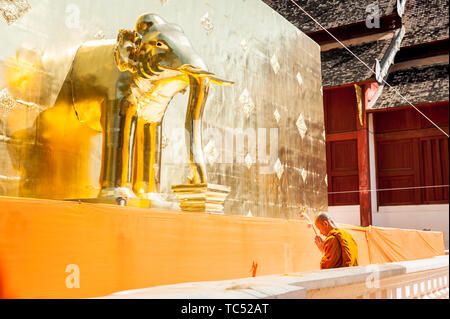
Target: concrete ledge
{"x":424,"y":264}
{"x":287,"y":286}
{"x":245,"y":288}
{"x":346,"y":276}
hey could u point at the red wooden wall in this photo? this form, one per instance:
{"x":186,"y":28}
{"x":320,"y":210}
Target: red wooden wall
{"x":411,"y":153}
{"x":340,"y":110}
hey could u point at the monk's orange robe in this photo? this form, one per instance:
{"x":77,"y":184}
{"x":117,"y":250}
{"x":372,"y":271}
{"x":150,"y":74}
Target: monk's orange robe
{"x":339,"y":250}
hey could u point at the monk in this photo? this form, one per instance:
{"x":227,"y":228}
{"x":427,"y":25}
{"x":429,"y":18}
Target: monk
{"x":339,"y":248}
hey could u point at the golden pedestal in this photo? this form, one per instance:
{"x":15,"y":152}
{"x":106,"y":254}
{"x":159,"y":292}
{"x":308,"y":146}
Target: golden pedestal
{"x":201,"y":197}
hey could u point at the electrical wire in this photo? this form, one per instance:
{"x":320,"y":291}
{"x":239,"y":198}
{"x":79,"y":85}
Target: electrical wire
{"x":368,"y":67}
{"x":396,"y":91}
{"x":388,"y":189}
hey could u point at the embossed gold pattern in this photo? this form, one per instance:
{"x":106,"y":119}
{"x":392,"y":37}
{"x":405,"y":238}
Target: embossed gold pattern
{"x":7,"y":102}
{"x":12,"y":10}
{"x":125,"y":99}
{"x":207,"y":23}
{"x":279,"y":169}
{"x":301,"y":125}
{"x":246,"y":102}
{"x":47,"y":152}
{"x":277,"y":115}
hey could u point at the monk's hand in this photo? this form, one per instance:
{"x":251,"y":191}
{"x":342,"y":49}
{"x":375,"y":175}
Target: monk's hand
{"x":319,"y":243}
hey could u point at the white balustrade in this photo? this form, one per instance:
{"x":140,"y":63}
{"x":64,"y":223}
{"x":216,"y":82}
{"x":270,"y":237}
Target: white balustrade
{"x":416,"y":282}
{"x":425,"y":278}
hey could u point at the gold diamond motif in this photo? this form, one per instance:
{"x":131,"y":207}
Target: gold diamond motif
{"x":279,"y":169}
{"x":244,"y":45}
{"x":164,"y":142}
{"x":99,"y":35}
{"x":211,"y":152}
{"x":248,"y":161}
{"x":246,"y":103}
{"x":301,"y":125}
{"x":304,"y":174}
{"x":12,"y":10}
{"x":299,"y":78}
{"x":277,"y":115}
{"x":207,"y":23}
{"x":274,"y":63}
{"x":7,"y":102}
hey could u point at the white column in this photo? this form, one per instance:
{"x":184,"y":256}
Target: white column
{"x":372,"y":165}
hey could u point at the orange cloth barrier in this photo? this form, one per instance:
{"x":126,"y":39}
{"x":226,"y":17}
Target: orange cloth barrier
{"x":117,"y":248}
{"x":393,"y":244}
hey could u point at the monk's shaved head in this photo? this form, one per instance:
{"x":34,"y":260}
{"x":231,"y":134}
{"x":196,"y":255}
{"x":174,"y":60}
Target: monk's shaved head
{"x":324,"y":217}
{"x":324,"y":222}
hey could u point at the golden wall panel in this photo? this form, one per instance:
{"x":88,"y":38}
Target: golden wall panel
{"x":276,"y":103}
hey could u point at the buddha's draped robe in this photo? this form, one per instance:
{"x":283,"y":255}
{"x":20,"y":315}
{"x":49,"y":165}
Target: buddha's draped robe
{"x":339,"y":250}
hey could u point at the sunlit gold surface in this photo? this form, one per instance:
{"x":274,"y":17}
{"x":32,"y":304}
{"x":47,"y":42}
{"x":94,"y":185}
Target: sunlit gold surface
{"x":46,"y":152}
{"x":121,"y":89}
{"x":197,"y":99}
{"x":201,"y":197}
{"x":359,"y":101}
{"x":146,"y":157}
{"x":198,"y":195}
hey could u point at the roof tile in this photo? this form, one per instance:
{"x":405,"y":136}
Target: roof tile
{"x":329,"y":13}
{"x":418,"y":85}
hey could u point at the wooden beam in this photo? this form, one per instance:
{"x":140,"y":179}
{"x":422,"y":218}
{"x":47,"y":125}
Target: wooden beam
{"x":422,"y":50}
{"x":440,"y":59}
{"x":356,"y":30}
{"x":402,"y":107}
{"x":344,"y":136}
{"x":408,"y":134}
{"x":359,"y":40}
{"x":360,"y":83}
